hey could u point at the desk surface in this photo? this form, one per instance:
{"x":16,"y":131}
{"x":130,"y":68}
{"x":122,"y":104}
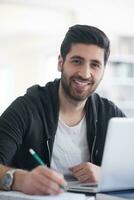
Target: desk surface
{"x":12,"y":195}
{"x":117,"y":195}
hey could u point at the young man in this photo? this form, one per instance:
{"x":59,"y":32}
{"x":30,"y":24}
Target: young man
{"x":65,"y":122}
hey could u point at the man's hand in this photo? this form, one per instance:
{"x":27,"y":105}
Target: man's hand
{"x":86,"y":172}
{"x":39,"y":181}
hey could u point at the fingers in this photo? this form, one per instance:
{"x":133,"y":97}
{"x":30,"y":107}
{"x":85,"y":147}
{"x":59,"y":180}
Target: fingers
{"x":53,"y":175}
{"x":80,"y":170}
{"x":43,"y":180}
{"x":53,"y":179}
{"x":84,"y":179}
{"x":86,"y":172}
{"x":45,"y":184}
{"x":81,"y":174}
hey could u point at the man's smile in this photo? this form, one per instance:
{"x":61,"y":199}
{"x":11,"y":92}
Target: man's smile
{"x":81,"y":84}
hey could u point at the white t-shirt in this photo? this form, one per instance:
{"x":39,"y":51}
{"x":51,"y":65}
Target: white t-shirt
{"x":70,"y":147}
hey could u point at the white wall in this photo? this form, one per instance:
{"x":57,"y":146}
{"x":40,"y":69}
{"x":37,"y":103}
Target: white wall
{"x":31,"y":32}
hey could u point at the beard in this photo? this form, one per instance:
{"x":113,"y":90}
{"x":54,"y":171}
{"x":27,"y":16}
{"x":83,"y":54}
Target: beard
{"x":75,"y":93}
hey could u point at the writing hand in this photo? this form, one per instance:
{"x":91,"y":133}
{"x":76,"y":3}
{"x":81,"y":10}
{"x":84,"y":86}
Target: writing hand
{"x":86,"y":172}
{"x":39,"y":181}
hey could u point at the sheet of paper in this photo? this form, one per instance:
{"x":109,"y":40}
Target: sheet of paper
{"x":12,"y":195}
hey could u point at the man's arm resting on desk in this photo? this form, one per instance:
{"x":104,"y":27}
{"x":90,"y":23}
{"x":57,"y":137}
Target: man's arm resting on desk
{"x":40,"y":180}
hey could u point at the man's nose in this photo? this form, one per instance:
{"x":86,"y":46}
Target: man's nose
{"x":85,"y":71}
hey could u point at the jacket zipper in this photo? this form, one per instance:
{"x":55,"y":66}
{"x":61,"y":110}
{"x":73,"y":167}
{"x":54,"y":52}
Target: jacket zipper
{"x":92,"y":152}
{"x":48,"y":151}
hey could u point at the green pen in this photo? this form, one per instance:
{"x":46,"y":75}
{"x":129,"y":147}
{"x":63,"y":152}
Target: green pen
{"x":36,"y":157}
{"x":39,"y":161}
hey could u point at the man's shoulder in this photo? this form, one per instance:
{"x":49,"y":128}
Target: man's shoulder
{"x":102,"y":100}
{"x":34,"y":90}
{"x":37,"y":90}
{"x":105,"y":105}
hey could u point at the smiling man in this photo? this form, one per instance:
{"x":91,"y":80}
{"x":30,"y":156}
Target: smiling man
{"x":65,"y":121}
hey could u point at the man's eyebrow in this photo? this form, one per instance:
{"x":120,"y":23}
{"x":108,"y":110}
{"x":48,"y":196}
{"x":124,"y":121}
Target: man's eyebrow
{"x":81,"y":58}
{"x":77,"y":57}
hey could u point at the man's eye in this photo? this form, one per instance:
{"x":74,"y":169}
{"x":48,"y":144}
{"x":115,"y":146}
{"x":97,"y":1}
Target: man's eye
{"x":77,"y":62}
{"x":95,"y":65}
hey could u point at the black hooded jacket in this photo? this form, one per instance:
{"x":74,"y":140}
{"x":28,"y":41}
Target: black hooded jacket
{"x":31,"y":122}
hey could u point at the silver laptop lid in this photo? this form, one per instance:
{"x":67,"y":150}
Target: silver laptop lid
{"x":117,"y":171}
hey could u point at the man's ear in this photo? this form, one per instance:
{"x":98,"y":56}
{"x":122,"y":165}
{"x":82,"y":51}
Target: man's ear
{"x":60,"y":63}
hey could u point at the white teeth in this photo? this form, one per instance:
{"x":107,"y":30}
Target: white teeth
{"x":81,"y":83}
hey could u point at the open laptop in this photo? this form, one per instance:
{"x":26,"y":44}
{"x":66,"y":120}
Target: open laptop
{"x":117,"y":170}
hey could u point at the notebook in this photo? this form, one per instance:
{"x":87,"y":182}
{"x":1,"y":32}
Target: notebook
{"x":14,"y":195}
{"x":117,"y":170}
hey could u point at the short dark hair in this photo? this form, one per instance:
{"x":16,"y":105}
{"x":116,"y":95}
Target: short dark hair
{"x":87,"y":35}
